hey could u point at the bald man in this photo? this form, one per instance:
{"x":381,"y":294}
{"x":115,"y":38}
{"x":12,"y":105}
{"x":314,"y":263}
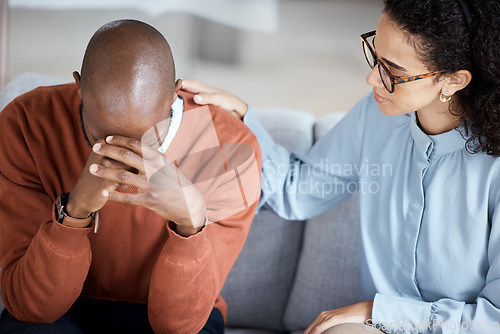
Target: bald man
{"x":123,"y":204}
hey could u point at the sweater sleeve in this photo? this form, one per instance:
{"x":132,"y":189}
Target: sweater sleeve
{"x":190,"y":272}
{"x":44,"y":263}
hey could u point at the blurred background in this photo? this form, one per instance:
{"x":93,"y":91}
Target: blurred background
{"x":298,"y":54}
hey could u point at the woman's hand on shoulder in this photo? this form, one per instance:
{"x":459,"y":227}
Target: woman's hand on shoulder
{"x":205,"y":94}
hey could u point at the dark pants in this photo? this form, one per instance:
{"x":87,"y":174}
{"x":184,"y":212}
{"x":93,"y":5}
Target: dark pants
{"x":100,"y":316}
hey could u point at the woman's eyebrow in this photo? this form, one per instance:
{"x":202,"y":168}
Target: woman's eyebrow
{"x":394,"y":65}
{"x":390,"y":63}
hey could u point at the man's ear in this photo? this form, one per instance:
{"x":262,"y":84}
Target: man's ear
{"x":76,"y":76}
{"x":178,"y":87}
{"x":456,"y":82}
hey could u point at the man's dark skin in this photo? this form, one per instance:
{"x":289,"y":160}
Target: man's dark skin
{"x":127,"y":86}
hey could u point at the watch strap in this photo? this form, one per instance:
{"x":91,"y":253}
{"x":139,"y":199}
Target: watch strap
{"x":75,"y":222}
{"x":62,"y":216}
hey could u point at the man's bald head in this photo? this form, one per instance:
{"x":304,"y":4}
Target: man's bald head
{"x":127,"y":81}
{"x":127,"y":61}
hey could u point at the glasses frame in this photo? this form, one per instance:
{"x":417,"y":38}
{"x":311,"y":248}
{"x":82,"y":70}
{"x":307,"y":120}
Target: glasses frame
{"x":395,"y":80}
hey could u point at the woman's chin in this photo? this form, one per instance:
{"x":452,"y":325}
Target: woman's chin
{"x":390,"y":109}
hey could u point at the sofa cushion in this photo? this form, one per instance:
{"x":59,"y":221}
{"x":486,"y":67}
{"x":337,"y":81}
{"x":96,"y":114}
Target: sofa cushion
{"x":292,"y":129}
{"x":23,"y":83}
{"x":326,"y":123}
{"x":258,"y":285}
{"x":328,"y":274}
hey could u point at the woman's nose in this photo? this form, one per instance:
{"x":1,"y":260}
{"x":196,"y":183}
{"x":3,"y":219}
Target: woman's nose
{"x":373,"y":78}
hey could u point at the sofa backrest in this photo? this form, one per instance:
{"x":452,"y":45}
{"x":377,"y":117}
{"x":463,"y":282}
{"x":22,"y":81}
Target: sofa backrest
{"x":24,"y":83}
{"x":288,"y":272}
{"x":258,"y":286}
{"x":328,"y":273}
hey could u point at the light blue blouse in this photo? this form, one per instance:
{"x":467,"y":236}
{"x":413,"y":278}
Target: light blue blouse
{"x":430,"y":215}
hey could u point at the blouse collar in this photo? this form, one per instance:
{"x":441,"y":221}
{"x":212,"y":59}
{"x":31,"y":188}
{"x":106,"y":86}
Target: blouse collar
{"x":434,"y":146}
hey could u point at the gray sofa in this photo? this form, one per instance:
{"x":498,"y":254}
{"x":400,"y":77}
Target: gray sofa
{"x":288,"y":271}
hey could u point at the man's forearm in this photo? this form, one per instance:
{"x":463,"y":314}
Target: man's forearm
{"x":182,"y":290}
{"x":42,"y":284}
{"x":190,"y":272}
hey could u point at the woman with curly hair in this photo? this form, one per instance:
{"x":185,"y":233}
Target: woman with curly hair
{"x":431,"y":231}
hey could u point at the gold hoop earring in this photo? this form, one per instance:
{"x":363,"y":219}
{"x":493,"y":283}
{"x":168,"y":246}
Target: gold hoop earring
{"x":445,"y":98}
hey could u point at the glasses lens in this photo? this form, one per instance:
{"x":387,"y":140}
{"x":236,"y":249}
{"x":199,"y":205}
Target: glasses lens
{"x":370,"y":58}
{"x":386,"y":78}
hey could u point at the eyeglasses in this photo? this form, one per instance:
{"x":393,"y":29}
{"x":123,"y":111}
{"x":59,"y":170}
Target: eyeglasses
{"x":388,"y":79}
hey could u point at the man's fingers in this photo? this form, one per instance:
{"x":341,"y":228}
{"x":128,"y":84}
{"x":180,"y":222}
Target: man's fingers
{"x":110,"y":163}
{"x":125,"y":198}
{"x":118,"y":176}
{"x":120,"y":154}
{"x":128,"y":157}
{"x":133,"y":145}
{"x":147,"y":198}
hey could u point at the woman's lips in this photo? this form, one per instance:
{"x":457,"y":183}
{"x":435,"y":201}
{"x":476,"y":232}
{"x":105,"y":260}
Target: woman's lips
{"x":379,"y":98}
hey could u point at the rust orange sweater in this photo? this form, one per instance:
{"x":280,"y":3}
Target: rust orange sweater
{"x":135,"y":256}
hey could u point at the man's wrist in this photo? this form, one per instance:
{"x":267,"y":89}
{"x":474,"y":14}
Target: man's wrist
{"x":78,"y":223}
{"x":65,"y":218}
{"x":187,"y":231}
{"x":75,"y":212}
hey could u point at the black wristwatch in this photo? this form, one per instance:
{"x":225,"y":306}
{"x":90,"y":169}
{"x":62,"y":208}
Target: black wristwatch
{"x":64,"y":218}
{"x":61,"y":203}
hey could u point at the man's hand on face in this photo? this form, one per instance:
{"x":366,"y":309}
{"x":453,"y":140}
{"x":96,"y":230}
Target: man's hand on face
{"x":161,"y":186}
{"x":86,"y":197}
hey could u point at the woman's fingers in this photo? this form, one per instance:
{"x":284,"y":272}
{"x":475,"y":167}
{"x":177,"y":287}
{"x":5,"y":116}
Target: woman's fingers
{"x":312,"y":325}
{"x":205,"y":94}
{"x":194,"y":86}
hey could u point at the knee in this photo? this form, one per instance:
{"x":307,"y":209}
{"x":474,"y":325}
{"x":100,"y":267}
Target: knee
{"x":352,"y":328}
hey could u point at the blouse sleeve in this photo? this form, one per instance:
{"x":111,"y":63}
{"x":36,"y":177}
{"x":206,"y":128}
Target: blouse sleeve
{"x":298,"y":187}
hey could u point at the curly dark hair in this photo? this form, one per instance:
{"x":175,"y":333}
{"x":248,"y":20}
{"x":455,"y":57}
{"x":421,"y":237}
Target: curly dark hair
{"x":445,"y":41}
